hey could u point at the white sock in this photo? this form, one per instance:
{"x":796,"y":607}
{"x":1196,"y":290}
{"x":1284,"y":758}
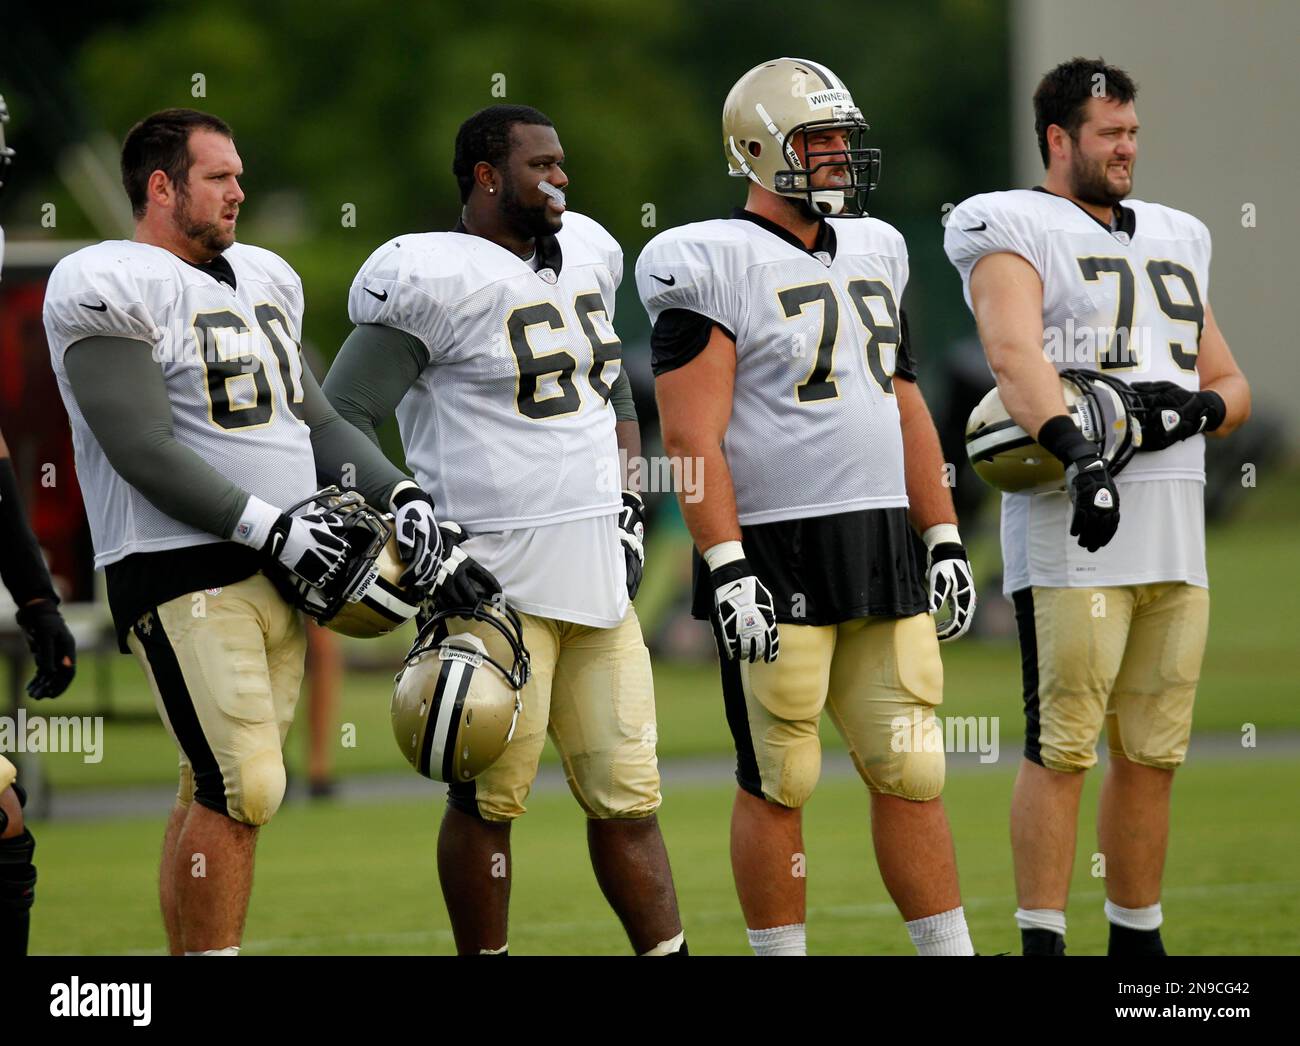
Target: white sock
{"x":495,"y":951}
{"x":1148,"y":918}
{"x":668,"y":947}
{"x":232,"y":950}
{"x":779,"y":940}
{"x":1041,"y":919}
{"x":942,"y":934}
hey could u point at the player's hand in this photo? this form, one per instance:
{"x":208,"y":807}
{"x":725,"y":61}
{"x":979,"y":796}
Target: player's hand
{"x":52,"y":647}
{"x":746,"y":619}
{"x":1095,"y":501}
{"x":460,"y":581}
{"x":419,"y":541}
{"x":631,"y":531}
{"x":952,"y":582}
{"x":307,"y":545}
{"x":1171,"y":413}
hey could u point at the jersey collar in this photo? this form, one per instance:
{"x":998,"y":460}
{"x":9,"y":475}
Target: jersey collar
{"x":825,"y":243}
{"x":1125,"y":217}
{"x":218,"y":268}
{"x":547,"y":253}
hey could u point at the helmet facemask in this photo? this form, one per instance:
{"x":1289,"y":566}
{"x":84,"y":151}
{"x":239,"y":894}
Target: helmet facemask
{"x":861,"y":163}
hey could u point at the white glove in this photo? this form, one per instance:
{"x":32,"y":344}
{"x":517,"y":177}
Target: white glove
{"x":419,"y":541}
{"x":746,"y":620}
{"x":951,"y":580}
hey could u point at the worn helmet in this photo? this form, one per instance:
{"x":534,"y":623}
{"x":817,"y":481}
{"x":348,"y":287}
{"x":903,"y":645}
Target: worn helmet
{"x":1007,"y":457}
{"x":774,"y":103}
{"x":455,"y":702}
{"x":365,"y":598}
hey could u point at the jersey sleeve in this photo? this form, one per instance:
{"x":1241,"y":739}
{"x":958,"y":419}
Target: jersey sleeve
{"x":398,"y":287}
{"x":676,"y":273}
{"x":97,"y":294}
{"x":990,"y":224}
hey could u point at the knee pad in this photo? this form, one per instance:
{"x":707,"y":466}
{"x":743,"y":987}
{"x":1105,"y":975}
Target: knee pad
{"x":796,"y":777}
{"x":8,"y":773}
{"x":261,"y":788}
{"x":911,"y":764}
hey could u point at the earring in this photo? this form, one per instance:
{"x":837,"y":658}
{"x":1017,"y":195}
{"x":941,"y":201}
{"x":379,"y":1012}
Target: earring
{"x":491,"y":191}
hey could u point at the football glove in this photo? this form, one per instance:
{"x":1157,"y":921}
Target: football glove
{"x":307,"y":546}
{"x":459,"y":580}
{"x":1094,"y":498}
{"x":1171,"y":413}
{"x":419,"y":541}
{"x":951,"y":581}
{"x":52,"y":647}
{"x":745,"y":617}
{"x":631,"y":531}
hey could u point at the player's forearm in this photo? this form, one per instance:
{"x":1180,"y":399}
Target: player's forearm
{"x":1235,"y":393}
{"x":343,"y":453}
{"x":710,"y":508}
{"x":120,"y":391}
{"x":628,"y":434}
{"x":22,"y":569}
{"x":928,"y":494}
{"x":1028,"y":384}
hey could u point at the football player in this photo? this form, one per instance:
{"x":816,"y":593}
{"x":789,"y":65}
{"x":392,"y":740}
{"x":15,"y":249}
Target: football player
{"x":1112,"y":629}
{"x":782,"y":367}
{"x":23,"y":571}
{"x":195,"y":425}
{"x":494,"y":343}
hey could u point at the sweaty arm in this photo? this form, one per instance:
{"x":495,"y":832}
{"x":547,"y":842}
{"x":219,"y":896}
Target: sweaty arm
{"x":1007,"y":298}
{"x":694,"y":409}
{"x":120,"y":391}
{"x":1219,"y":373}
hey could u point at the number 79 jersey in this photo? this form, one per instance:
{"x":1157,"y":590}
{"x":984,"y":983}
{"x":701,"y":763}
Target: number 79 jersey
{"x":230,"y":361}
{"x":814,"y":427}
{"x":1128,"y":302}
{"x":510,"y":426}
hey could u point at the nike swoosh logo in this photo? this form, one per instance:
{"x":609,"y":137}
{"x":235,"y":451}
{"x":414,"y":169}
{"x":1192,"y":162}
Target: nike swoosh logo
{"x":277,"y":540}
{"x":667,"y":283}
{"x":101,"y":307}
{"x":977,"y":228}
{"x":381,"y":297}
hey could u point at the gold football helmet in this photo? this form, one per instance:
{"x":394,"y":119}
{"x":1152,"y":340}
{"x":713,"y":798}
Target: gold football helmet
{"x":365,"y":598}
{"x":1007,"y":457}
{"x":455,"y":703}
{"x":776,"y":101}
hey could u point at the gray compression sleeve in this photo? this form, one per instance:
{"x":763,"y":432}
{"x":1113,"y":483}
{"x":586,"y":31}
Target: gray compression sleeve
{"x":343,"y":454}
{"x":621,"y":396}
{"x":371,"y":373}
{"x":120,"y":391}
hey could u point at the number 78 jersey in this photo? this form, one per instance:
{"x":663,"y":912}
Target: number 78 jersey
{"x":1128,"y":302}
{"x":814,"y":428}
{"x":510,"y":426}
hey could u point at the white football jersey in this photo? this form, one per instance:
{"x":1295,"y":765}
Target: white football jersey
{"x":230,"y":359}
{"x":1128,"y":302}
{"x":814,"y":427}
{"x":510,"y":428}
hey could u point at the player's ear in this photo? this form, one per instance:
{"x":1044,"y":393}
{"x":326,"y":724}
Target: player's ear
{"x":485,"y":177}
{"x":160,"y":189}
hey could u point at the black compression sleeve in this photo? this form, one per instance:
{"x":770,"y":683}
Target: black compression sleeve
{"x":371,"y":373}
{"x":22,"y":569}
{"x":679,"y":336}
{"x":621,"y":397}
{"x":120,"y":391}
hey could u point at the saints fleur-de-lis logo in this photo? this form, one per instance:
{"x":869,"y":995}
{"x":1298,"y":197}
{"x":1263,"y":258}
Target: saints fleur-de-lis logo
{"x":146,"y":623}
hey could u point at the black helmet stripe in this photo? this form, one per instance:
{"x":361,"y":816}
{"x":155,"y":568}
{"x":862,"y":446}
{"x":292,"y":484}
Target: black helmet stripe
{"x":453,"y":682}
{"x":453,"y":731}
{"x":831,"y":81}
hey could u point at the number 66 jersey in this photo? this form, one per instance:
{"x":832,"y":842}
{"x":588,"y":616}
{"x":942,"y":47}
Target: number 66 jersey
{"x":225,"y":335}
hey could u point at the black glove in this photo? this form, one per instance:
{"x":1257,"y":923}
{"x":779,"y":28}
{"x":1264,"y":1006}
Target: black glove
{"x":307,"y":545}
{"x":745,"y":618}
{"x":51,"y":645}
{"x":419,"y":541}
{"x":1170,"y":413}
{"x":460,"y":581}
{"x":1087,"y":478}
{"x":631,"y":531}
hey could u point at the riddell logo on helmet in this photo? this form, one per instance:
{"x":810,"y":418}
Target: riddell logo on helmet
{"x":820,"y":99}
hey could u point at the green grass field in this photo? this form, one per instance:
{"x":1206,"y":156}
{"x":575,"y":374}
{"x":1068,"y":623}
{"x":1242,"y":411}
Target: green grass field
{"x":361,"y":879}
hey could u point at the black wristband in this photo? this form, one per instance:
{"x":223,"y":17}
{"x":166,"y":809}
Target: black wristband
{"x":22,"y":569}
{"x":1061,"y":437}
{"x":1213,"y":409}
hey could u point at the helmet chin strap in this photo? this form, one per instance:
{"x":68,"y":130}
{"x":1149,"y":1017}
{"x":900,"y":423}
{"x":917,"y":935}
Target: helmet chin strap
{"x":828,"y":202}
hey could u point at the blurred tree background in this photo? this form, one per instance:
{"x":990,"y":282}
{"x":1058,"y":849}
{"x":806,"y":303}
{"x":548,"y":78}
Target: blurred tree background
{"x":358,"y":103}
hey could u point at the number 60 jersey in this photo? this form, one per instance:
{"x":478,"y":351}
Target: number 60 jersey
{"x":226,"y":338}
{"x":814,"y":427}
